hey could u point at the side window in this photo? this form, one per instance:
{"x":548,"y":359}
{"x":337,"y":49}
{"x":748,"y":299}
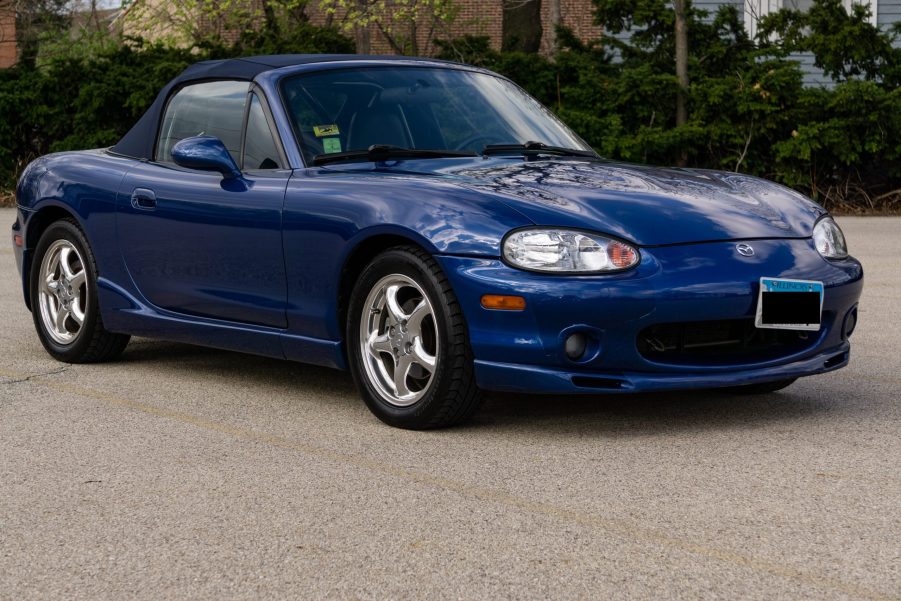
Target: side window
{"x":260,"y":150}
{"x":213,"y":108}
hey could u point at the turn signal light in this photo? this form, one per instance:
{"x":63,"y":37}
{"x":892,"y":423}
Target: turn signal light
{"x":17,"y":240}
{"x":503,"y":302}
{"x":621,"y":255}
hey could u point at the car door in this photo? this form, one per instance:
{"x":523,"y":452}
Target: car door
{"x":195,"y":243}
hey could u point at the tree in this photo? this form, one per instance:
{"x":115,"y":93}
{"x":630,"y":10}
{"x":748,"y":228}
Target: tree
{"x":521,"y":25}
{"x":656,"y":30}
{"x":198,"y":23}
{"x":409,"y":26}
{"x":845,"y":45}
{"x":36,"y":19}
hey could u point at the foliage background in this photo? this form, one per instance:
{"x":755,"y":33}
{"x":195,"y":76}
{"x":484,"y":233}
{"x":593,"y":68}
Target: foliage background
{"x":748,"y":108}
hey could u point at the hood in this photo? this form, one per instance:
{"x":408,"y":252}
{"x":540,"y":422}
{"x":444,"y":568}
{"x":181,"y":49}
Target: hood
{"x":648,"y":206}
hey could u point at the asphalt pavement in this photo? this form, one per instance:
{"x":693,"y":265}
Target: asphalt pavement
{"x":180,"y":472}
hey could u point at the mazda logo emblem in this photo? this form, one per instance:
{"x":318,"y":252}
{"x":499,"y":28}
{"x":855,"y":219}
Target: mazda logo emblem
{"x":745,"y":250}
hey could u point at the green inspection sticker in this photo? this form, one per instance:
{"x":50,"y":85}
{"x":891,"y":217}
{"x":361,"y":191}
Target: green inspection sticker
{"x":330,"y":145}
{"x":325,"y":130}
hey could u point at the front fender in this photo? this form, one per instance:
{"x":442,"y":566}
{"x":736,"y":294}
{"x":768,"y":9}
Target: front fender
{"x":330,"y":214}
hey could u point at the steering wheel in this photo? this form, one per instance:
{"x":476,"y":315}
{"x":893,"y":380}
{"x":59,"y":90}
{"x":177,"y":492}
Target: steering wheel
{"x":468,"y":142}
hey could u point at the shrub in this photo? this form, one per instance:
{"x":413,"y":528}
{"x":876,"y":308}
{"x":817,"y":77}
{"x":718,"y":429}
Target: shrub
{"x":748,"y":109}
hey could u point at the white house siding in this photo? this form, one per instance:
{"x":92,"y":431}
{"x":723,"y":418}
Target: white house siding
{"x":888,"y":13}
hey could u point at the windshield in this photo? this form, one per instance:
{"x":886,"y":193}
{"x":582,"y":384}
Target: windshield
{"x":420,"y":108}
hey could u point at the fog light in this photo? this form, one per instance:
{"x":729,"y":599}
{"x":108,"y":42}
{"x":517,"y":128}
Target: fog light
{"x":850,"y":323}
{"x":575,"y":345}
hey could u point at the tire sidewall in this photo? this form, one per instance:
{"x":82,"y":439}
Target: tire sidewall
{"x":398,"y":261}
{"x":65,"y":230}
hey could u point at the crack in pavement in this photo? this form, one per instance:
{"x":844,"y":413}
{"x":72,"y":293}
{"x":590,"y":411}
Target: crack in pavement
{"x":18,"y":378}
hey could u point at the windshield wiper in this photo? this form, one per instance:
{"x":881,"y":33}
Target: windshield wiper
{"x":386,"y":152}
{"x":536,"y":148}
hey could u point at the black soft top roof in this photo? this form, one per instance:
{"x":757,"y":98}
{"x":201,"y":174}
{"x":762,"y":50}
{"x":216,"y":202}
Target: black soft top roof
{"x":140,"y":139}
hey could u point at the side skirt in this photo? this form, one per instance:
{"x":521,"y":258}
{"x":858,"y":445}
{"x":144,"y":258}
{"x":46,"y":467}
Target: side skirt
{"x":124,"y":313}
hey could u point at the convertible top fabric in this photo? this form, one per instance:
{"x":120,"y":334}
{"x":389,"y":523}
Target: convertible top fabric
{"x":139,"y":141}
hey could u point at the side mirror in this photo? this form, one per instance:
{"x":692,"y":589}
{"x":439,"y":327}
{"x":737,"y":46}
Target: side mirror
{"x":205,"y":153}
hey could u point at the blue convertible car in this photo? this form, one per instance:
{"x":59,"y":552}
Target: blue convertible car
{"x":432,"y":228}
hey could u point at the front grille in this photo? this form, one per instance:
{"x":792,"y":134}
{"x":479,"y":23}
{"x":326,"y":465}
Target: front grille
{"x":719,"y":342}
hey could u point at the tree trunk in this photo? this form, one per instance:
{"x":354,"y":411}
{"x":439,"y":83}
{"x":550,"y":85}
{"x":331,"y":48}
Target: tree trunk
{"x":361,"y":35}
{"x":681,"y":62}
{"x":556,"y":18}
{"x":681,"y":35}
{"x":413,"y":44}
{"x":521,"y":25}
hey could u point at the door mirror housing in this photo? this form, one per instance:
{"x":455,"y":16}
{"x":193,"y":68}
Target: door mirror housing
{"x":205,"y":153}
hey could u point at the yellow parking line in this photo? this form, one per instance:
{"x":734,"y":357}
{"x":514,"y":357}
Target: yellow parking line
{"x":619,"y":527}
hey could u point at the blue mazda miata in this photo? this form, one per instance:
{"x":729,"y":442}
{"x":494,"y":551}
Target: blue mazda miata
{"x":432,"y":228}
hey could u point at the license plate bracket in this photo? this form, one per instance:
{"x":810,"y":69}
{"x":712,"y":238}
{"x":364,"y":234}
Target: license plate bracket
{"x":789,"y":304}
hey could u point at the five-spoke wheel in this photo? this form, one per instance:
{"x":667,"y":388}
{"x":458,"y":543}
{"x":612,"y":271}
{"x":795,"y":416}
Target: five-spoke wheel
{"x":63,"y":295}
{"x":63,"y":291}
{"x":399,"y":339}
{"x":408,"y":345}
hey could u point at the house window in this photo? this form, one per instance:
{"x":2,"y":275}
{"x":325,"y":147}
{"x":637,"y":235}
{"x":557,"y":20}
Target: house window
{"x":757,"y":9}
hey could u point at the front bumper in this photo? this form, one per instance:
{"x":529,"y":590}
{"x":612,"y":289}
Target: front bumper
{"x":524,"y":350}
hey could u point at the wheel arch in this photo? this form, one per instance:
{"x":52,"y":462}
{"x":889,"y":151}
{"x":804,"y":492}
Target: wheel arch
{"x":37,"y":224}
{"x":357,"y":260}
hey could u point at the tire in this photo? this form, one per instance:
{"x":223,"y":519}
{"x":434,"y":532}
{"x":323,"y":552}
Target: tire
{"x":64,"y":306}
{"x":404,"y":315}
{"x":764,"y":388}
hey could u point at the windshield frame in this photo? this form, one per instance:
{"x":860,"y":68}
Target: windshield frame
{"x":303,"y":151}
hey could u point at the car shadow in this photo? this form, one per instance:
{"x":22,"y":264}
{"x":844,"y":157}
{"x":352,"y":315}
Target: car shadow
{"x":646,"y":414}
{"x":545,"y":415}
{"x":275,"y":375}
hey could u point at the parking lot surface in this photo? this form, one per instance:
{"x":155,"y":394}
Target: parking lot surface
{"x":183,"y":472}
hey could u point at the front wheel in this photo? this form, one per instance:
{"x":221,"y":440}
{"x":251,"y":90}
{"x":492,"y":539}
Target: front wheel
{"x":408,"y":345}
{"x":64,"y":303}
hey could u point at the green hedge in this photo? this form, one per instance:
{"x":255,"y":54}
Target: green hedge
{"x":749,"y":111}
{"x":76,"y":100}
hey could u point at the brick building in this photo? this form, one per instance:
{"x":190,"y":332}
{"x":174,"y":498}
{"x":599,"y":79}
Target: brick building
{"x":481,"y":18}
{"x":477,"y":17}
{"x":474,"y":17}
{"x":8,"y":48}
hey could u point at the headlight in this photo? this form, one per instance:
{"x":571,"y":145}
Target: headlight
{"x":567,"y":251}
{"x":829,"y":239}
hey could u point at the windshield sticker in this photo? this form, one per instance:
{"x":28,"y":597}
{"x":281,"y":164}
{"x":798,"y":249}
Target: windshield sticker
{"x":325,"y":130}
{"x":330,"y":145}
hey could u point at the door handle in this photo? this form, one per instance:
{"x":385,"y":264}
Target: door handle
{"x":142,"y":198}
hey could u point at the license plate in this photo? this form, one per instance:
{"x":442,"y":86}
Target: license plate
{"x":789,"y":304}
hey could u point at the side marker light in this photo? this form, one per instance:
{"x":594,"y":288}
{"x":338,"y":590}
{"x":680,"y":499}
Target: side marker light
{"x":503,"y":302}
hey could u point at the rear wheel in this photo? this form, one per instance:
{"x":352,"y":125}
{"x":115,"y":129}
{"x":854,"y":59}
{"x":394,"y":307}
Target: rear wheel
{"x":408,"y":345}
{"x":764,"y":388}
{"x":63,"y":286}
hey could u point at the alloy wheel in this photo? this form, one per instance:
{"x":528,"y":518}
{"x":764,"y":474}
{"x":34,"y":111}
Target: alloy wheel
{"x":399,"y":340}
{"x":63,"y":292}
